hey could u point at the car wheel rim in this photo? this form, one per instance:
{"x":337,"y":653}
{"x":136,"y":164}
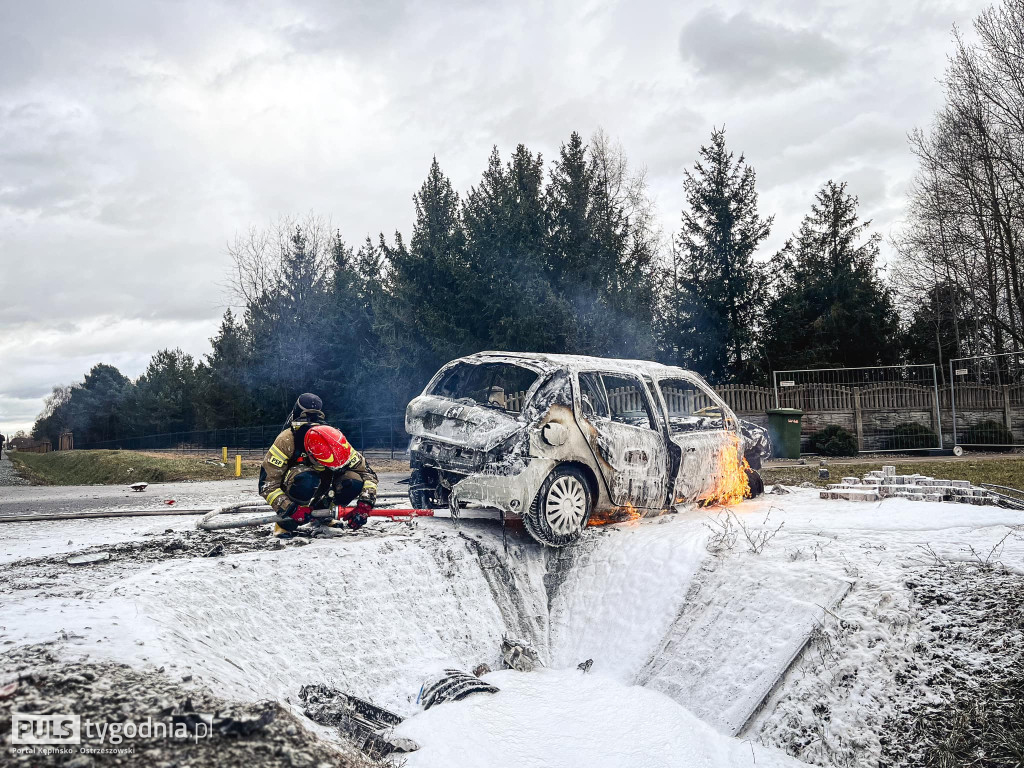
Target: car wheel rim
{"x":566,"y":505}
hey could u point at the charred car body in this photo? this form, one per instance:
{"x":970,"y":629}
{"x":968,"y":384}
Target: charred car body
{"x":561,"y":440}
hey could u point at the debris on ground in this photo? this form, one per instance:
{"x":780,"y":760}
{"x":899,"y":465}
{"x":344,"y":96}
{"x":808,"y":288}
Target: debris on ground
{"x":363,"y":724}
{"x":88,"y":559}
{"x":885,"y":483}
{"x":109,"y":694}
{"x":139,"y":487}
{"x":584,"y":666}
{"x":779,"y":489}
{"x":519,"y":656}
{"x":454,"y":685}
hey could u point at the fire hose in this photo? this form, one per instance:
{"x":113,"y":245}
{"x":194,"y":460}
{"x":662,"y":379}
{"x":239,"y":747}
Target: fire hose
{"x":209,"y":521}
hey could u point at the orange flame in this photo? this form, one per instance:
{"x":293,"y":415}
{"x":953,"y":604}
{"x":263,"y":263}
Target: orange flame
{"x":624,"y":514}
{"x":731,"y":484}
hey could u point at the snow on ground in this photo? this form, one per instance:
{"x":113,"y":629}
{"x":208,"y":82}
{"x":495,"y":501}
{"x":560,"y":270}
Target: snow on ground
{"x":675,"y":632}
{"x":565,"y":719}
{"x":622,"y":592}
{"x":39,"y":539}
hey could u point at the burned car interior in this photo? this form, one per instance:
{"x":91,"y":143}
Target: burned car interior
{"x":496,"y":385}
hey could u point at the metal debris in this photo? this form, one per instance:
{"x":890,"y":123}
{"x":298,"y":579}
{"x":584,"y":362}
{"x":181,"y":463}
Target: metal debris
{"x":89,"y":559}
{"x":584,"y":666}
{"x":364,"y":724}
{"x":455,"y":685}
{"x":519,"y":656}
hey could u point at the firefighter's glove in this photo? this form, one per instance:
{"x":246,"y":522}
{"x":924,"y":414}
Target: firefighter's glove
{"x":358,"y":517}
{"x":294,"y":512}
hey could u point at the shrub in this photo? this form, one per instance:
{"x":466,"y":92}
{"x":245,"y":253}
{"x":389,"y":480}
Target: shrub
{"x":988,"y":432}
{"x":833,"y":440}
{"x":909,"y":435}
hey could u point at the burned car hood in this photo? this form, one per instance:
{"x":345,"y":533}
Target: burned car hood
{"x":471,"y":426}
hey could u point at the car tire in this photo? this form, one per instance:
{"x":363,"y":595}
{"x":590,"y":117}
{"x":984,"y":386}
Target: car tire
{"x":756,"y":483}
{"x":561,"y":510}
{"x":418,"y":497}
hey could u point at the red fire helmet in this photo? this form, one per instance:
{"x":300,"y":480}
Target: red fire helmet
{"x":327,"y":446}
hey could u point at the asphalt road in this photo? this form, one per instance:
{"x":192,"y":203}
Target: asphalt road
{"x":49,"y":499}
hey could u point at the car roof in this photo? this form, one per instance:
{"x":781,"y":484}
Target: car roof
{"x":584,"y":363}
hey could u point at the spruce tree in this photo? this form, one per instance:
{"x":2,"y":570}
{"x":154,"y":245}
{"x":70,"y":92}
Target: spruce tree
{"x":510,"y":303}
{"x":723,"y":289}
{"x":224,"y":400}
{"x":427,"y":319}
{"x":831,"y":308}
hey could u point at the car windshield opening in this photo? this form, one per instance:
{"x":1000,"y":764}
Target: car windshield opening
{"x":690,"y":409}
{"x":496,"y":385}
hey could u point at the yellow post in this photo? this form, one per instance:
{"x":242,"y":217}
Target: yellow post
{"x":224,"y":454}
{"x":238,"y":465}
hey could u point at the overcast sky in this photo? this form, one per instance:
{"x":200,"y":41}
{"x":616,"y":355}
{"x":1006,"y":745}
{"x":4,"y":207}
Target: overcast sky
{"x":137,"y":137}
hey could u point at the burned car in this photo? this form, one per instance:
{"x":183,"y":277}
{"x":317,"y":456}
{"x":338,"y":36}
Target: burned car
{"x":563,"y":441}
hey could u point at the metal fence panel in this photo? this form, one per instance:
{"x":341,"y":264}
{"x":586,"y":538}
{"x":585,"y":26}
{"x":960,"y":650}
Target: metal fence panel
{"x":887,"y":408}
{"x":987,"y":394}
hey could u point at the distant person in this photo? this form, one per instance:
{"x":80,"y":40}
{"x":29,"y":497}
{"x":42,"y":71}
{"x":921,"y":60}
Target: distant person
{"x":312,"y":466}
{"x":2,"y":440}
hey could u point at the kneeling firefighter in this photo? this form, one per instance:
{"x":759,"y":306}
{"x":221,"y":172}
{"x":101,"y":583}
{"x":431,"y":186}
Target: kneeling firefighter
{"x":312,"y":466}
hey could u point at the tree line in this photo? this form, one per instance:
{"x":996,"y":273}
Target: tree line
{"x":568,"y":257}
{"x":562,"y":258}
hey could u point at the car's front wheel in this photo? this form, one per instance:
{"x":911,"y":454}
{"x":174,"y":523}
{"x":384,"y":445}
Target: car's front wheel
{"x":560,"y":512}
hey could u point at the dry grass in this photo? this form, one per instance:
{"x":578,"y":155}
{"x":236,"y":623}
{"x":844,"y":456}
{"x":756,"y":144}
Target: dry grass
{"x":122,"y":467}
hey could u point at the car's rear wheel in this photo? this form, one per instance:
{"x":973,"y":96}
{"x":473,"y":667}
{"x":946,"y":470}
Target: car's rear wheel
{"x":561,"y":510}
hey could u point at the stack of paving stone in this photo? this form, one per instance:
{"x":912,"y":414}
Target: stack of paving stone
{"x":876,"y":486}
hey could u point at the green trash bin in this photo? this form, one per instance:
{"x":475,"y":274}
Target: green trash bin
{"x":784,"y":430}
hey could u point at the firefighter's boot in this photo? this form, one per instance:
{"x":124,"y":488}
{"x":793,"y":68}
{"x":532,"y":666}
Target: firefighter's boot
{"x":282,"y":533}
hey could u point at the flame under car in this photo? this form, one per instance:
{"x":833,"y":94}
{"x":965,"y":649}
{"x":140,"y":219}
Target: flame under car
{"x":562,"y":442}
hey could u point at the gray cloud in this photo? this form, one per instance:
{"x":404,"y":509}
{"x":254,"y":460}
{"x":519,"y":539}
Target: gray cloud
{"x":744,"y":51}
{"x":137,"y":138}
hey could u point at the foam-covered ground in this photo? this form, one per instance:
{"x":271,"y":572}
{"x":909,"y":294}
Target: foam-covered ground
{"x":565,"y":718}
{"x":675,"y":633}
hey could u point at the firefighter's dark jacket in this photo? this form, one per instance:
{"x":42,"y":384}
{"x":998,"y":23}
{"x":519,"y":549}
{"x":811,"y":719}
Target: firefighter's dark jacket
{"x":288,"y":455}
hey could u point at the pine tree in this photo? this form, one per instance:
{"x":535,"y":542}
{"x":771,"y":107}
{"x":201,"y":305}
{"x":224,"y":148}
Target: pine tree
{"x":570,"y":249}
{"x":723,"y":287}
{"x":831,"y":308}
{"x":510,"y":302}
{"x":224,"y":398}
{"x":167,"y":393}
{"x":427,"y":320}
{"x":940,"y":328}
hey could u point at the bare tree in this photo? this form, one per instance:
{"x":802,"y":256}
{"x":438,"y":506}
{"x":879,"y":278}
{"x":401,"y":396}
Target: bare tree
{"x":961,"y":246}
